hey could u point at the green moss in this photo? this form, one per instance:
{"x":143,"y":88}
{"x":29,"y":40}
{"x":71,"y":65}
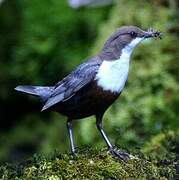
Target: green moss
{"x":90,"y":164}
{"x":163,"y":146}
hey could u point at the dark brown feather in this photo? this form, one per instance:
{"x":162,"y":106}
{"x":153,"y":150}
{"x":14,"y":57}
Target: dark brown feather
{"x":88,"y":101}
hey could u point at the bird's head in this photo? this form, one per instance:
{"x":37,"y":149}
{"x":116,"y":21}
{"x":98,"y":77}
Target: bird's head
{"x":128,"y":37}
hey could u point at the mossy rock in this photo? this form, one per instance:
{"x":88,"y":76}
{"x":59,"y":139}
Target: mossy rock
{"x":89,"y":164}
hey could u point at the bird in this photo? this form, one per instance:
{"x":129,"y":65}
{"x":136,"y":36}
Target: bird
{"x":91,"y":88}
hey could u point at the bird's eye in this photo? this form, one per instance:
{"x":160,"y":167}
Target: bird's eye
{"x":133,"y":34}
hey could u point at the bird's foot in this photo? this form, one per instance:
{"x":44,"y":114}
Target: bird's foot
{"x":74,"y":152}
{"x":120,"y":154}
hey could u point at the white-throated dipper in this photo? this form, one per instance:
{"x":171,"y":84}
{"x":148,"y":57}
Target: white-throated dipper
{"x":94,"y":85}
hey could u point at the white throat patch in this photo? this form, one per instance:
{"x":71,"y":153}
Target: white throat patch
{"x":112,"y":75}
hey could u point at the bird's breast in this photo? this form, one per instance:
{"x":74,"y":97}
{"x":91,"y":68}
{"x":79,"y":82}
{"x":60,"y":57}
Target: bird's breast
{"x":112,"y":75}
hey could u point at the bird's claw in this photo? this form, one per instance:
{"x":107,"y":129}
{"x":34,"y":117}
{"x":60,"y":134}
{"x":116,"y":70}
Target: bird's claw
{"x":74,"y":152}
{"x":120,"y":154}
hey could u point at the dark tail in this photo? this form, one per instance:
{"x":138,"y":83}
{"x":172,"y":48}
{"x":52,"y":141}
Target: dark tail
{"x":43,"y":92}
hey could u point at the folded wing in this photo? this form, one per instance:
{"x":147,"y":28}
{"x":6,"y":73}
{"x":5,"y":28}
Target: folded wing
{"x":72,"y":83}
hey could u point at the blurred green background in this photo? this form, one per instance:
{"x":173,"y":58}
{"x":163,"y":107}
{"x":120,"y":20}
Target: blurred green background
{"x":42,"y":41}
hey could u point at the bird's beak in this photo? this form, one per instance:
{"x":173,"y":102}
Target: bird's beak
{"x":152,"y":33}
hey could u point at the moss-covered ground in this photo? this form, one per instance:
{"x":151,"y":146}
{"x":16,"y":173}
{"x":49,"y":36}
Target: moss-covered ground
{"x":88,"y":165}
{"x":157,"y":160}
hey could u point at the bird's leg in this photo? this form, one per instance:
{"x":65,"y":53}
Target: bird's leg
{"x":117,"y":153}
{"x":100,"y":128}
{"x":70,"y":133}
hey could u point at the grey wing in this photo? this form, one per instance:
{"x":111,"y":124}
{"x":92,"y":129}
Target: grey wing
{"x":66,"y":88}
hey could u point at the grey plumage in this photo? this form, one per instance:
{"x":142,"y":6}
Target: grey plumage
{"x":67,"y":87}
{"x":43,"y":92}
